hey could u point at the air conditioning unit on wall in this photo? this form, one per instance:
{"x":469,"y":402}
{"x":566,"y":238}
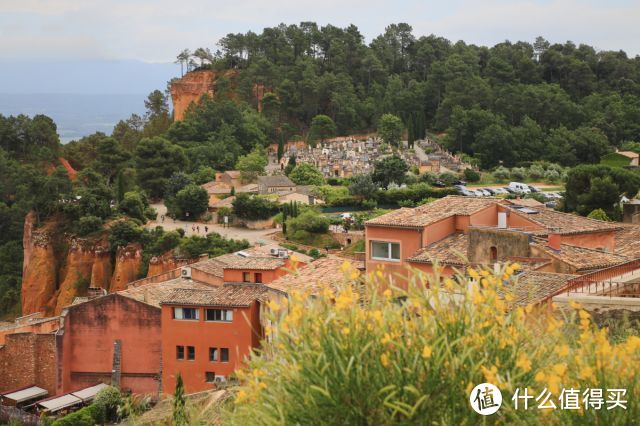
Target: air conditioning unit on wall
{"x":185,"y":272}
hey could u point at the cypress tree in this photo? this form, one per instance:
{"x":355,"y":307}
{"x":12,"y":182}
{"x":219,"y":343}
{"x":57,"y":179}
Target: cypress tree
{"x":179,"y":404}
{"x":281,"y":146}
{"x":411,"y":136}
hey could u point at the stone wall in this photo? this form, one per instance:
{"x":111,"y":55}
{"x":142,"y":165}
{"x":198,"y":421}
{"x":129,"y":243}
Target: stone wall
{"x":507,"y":243}
{"x":347,"y":238}
{"x":28,"y":359}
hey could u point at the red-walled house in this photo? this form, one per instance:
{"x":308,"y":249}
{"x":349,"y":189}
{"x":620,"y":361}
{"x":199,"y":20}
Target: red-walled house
{"x":456,"y":231}
{"x":207,"y":334}
{"x":115,"y":339}
{"x":260,"y":264}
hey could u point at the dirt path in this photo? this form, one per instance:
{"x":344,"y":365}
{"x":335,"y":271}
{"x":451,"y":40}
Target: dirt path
{"x":237,"y":233}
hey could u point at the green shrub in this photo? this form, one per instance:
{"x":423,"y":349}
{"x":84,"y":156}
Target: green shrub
{"x":109,"y":399}
{"x":501,"y":174}
{"x":252,"y":207}
{"x":88,"y":225}
{"x":134,"y":205}
{"x":315,"y":253}
{"x":471,"y":175}
{"x":406,"y":203}
{"x":448,"y":178}
{"x":599,"y":214}
{"x":308,"y":221}
{"x":518,"y":173}
{"x":87,"y":416}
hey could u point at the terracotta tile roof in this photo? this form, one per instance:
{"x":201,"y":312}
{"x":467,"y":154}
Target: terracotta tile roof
{"x":210,"y":266}
{"x":276,"y":180}
{"x":153,"y":294}
{"x":315,"y":276}
{"x":451,"y":250}
{"x":214,"y":187}
{"x":525,"y":202}
{"x":265,"y":263}
{"x":238,"y":295}
{"x":581,"y":258}
{"x":628,"y":241}
{"x":433,"y":212}
{"x":250,"y":187}
{"x":563,"y":223}
{"x":534,"y":287}
{"x":265,"y":250}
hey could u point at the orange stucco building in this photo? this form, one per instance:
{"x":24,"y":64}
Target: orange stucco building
{"x":455,"y":231}
{"x":206,"y":335}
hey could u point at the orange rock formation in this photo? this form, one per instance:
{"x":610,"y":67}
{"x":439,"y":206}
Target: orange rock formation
{"x":161,"y":264}
{"x":128,"y":261}
{"x":193,"y":85}
{"x":76,"y":275}
{"x":39,"y":270}
{"x":190,"y":88}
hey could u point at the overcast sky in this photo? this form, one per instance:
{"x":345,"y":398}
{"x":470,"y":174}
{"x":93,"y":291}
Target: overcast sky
{"x":155,"y":30}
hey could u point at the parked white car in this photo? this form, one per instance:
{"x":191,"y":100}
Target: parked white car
{"x":500,"y":191}
{"x":519,"y":187}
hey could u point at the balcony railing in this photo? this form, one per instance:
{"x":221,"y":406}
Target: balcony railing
{"x":602,"y":281}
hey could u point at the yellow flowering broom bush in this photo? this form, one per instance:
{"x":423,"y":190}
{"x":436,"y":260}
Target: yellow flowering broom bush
{"x":366,"y":356}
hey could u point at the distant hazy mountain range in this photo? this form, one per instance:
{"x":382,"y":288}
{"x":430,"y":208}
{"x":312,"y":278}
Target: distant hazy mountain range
{"x":82,"y":97}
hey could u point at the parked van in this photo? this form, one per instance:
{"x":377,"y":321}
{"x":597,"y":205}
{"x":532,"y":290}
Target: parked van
{"x":519,"y":187}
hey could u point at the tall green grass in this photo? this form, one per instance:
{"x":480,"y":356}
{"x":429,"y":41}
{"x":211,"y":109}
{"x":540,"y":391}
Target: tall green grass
{"x":368,"y":356}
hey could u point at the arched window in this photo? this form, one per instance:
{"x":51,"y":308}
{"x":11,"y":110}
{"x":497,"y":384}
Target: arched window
{"x":494,"y":254}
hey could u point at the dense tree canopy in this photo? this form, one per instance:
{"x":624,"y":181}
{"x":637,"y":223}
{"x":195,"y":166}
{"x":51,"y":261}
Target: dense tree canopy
{"x":306,"y":174}
{"x":486,"y":98}
{"x":591,"y":187}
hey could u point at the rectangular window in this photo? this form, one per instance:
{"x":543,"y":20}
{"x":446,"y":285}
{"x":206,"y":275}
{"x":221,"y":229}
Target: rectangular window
{"x":246,"y":277}
{"x":186,"y":313}
{"x":213,"y":354}
{"x":258,"y":277}
{"x":179,"y":352}
{"x":220,"y":315}
{"x":383,"y":250}
{"x":224,"y":354}
{"x":191,"y":353}
{"x":209,"y":376}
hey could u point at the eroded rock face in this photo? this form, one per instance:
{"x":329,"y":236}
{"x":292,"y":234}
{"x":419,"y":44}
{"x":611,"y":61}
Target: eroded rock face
{"x":39,"y":270}
{"x":58,"y":268}
{"x":167,"y":262}
{"x":128,"y":261}
{"x":193,"y":85}
{"x":76,"y":276}
{"x":190,"y":88}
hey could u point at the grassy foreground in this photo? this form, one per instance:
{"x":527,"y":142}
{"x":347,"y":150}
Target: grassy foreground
{"x":412,"y":357}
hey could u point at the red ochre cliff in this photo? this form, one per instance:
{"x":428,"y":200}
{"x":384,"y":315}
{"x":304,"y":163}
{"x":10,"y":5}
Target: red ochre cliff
{"x":85,"y":260}
{"x":128,"y":261}
{"x":39,"y":271}
{"x":161,"y":264}
{"x":58,"y":268}
{"x":194,"y":84}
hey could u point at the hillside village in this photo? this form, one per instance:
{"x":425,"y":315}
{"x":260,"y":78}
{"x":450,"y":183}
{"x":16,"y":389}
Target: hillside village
{"x":305,"y":228}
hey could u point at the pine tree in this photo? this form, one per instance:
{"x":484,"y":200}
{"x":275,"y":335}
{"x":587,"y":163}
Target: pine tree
{"x":120,"y":187}
{"x":179,"y":404}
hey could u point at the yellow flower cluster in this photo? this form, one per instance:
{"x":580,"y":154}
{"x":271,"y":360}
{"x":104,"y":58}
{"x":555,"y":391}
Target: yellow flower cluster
{"x":458,"y":332}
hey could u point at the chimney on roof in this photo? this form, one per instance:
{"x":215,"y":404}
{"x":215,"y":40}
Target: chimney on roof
{"x":554,"y":241}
